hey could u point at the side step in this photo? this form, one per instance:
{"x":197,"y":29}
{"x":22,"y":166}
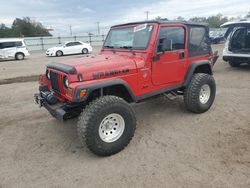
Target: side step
{"x":171,"y":96}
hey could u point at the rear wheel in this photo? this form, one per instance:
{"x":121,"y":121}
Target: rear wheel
{"x":19,"y":56}
{"x":233,"y":64}
{"x":106,"y":125}
{"x":59,"y":53}
{"x":199,"y":95}
{"x":85,"y":51}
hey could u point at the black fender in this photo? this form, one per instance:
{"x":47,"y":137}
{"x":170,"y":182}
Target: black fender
{"x":197,"y":67}
{"x":101,"y":85}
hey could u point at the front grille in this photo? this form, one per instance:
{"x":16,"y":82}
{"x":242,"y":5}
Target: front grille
{"x":54,"y":77}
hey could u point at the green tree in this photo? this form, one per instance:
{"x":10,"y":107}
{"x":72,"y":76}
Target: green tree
{"x":28,"y":28}
{"x":180,"y":18}
{"x":23,"y":28}
{"x":216,"y":21}
{"x":5,"y":31}
{"x":158,"y":18}
{"x":198,"y":19}
{"x":212,"y":21}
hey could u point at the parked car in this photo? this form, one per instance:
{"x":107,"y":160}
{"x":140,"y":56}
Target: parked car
{"x":71,"y":47}
{"x":13,"y":48}
{"x":138,"y":60}
{"x":216,"y":37}
{"x":237,"y":46}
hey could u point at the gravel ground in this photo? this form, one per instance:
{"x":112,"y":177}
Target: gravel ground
{"x":171,"y":147}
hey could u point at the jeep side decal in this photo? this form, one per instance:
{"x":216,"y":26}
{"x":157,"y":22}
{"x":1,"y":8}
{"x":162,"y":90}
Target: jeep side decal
{"x":109,"y":73}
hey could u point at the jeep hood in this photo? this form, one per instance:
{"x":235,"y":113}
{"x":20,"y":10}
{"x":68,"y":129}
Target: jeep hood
{"x":98,"y":66}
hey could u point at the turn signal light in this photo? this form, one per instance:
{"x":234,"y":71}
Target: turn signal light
{"x":82,"y":93}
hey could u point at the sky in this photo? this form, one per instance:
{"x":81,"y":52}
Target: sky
{"x":83,"y":15}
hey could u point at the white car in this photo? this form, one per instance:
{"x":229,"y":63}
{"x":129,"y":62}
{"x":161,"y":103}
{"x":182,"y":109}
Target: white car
{"x":13,"y":48}
{"x":72,"y":47}
{"x":237,"y":46}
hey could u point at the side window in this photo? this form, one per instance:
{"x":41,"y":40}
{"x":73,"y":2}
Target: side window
{"x":175,"y":36}
{"x":77,"y":43}
{"x":70,"y":44}
{"x":18,"y":44}
{"x":198,"y":41}
{"x":8,"y":44}
{"x":1,"y":45}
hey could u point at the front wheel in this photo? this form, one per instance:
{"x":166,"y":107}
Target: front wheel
{"x":59,"y":53}
{"x":19,"y":56}
{"x":106,"y":125}
{"x":200,"y":93}
{"x":85,"y":51}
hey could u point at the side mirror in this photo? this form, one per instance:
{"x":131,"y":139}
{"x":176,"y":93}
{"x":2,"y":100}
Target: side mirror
{"x":165,"y":45}
{"x":64,"y":46}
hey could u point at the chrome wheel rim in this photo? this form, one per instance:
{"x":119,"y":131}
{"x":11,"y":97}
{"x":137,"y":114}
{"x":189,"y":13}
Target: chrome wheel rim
{"x":111,"y":128}
{"x":59,"y":53}
{"x":205,"y":93}
{"x":19,"y":56}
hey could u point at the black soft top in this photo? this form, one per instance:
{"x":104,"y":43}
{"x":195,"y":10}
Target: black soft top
{"x":164,"y":22}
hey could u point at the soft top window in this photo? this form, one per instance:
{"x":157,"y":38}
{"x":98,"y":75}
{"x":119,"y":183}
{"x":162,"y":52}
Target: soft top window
{"x":174,"y":34}
{"x":198,"y":41}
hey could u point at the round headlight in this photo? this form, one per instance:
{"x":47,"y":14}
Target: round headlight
{"x":66,"y":81}
{"x":48,"y":74}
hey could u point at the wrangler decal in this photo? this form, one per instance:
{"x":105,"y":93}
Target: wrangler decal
{"x":109,"y":73}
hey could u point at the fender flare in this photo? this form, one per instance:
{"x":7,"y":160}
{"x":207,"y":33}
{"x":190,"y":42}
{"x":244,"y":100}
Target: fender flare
{"x":101,"y":85}
{"x":193,"y":67}
{"x":62,"y":67}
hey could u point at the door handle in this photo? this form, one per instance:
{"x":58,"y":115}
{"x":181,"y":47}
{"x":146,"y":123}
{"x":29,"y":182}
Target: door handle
{"x":181,"y":55}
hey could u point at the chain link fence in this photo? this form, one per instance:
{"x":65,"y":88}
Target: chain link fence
{"x":43,"y":43}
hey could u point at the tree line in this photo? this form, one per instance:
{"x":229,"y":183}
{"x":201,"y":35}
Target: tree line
{"x":24,"y":27}
{"x":212,"y":21}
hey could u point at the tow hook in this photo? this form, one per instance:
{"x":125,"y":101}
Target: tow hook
{"x":39,"y":100}
{"x":45,"y":97}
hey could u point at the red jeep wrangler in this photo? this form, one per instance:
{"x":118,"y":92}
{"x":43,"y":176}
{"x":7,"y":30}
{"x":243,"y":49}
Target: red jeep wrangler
{"x":138,"y":61}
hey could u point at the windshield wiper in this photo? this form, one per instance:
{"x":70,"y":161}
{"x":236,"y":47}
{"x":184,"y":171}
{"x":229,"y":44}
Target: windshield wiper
{"x":130,"y":49}
{"x":107,"y":46}
{"x":126,"y":47}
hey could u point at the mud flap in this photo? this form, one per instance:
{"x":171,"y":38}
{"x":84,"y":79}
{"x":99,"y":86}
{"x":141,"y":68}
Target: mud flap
{"x":215,"y":57}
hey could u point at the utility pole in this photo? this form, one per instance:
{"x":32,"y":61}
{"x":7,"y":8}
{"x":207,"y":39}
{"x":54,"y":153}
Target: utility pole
{"x":70,"y":30}
{"x":147,"y":12}
{"x":98,"y":28}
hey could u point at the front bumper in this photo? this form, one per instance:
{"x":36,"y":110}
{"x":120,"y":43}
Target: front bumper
{"x":48,"y":53}
{"x":55,"y":111}
{"x":61,"y":111}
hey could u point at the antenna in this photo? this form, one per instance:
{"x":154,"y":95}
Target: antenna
{"x":98,"y":28}
{"x":70,"y":30}
{"x":146,"y":12}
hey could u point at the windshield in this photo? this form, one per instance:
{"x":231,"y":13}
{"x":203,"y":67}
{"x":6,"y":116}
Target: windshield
{"x":130,"y":37}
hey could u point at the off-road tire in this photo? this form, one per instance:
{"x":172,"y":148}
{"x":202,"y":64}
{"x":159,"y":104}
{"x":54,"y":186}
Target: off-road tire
{"x":192,"y":93}
{"x":233,"y":64}
{"x":91,"y":117}
{"x":59,"y":53}
{"x":85,"y":51}
{"x":19,"y":56}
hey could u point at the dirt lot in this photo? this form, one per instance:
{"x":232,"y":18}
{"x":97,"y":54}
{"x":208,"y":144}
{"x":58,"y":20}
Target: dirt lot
{"x":171,"y":147}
